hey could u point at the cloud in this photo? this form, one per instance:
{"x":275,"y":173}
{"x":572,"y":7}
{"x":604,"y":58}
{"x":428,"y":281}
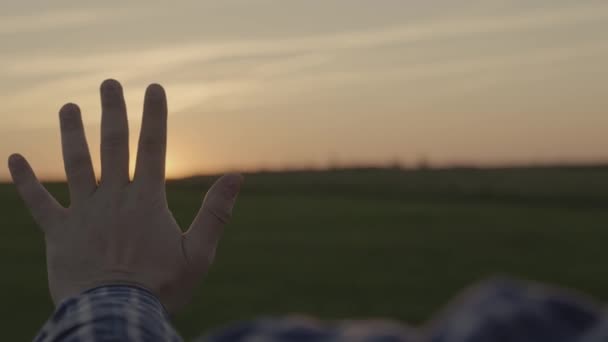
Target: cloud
{"x":289,"y":76}
{"x":171,"y":55}
{"x":79,"y":75}
{"x":47,"y":21}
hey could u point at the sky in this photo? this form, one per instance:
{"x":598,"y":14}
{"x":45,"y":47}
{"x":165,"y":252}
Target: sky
{"x":290,"y":84}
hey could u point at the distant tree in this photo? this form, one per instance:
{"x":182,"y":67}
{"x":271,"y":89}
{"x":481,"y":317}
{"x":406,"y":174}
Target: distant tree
{"x":396,"y":164}
{"x":334,"y":162}
{"x":423,"y":163}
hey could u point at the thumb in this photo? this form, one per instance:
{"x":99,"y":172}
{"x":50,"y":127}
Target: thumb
{"x":201,"y":239}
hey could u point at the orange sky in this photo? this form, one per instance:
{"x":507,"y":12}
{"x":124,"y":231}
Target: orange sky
{"x":253,"y":84}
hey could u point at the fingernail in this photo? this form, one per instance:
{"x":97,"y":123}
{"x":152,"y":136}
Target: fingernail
{"x":110,"y":86}
{"x":69,"y":109}
{"x":69,"y":116}
{"x":234,"y":185}
{"x":155,"y":90}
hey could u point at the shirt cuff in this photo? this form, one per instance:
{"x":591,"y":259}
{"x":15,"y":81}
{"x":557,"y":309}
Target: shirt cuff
{"x":109,"y":313}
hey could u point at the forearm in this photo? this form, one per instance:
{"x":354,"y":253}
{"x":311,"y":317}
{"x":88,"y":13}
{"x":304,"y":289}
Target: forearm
{"x":110,"y":313}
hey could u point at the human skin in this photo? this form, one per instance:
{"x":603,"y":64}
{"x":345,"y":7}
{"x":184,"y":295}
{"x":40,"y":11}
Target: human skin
{"x":121,"y":231}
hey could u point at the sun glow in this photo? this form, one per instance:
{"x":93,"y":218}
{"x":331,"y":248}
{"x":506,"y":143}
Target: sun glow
{"x":479,"y":82}
{"x":173,"y":167}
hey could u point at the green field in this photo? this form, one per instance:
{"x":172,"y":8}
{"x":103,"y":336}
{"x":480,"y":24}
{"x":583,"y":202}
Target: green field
{"x":359,"y":243}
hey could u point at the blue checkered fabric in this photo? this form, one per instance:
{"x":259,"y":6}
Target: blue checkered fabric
{"x":109,"y":313}
{"x":496,"y":311}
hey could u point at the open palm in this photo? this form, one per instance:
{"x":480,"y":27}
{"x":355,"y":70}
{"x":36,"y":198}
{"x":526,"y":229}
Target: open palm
{"x":121,"y":231}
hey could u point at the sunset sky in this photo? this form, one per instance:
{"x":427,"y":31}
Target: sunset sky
{"x":287,"y":84}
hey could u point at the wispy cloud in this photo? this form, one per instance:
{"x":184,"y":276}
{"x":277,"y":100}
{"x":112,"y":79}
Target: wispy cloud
{"x":283,"y":56}
{"x":170,"y":55}
{"x":12,"y":24}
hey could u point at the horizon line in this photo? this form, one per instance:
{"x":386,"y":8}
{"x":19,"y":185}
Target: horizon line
{"x":372,"y":166}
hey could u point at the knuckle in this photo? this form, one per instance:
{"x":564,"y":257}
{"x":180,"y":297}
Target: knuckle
{"x":151,"y":144}
{"x":114,"y":140}
{"x":222,"y":215}
{"x":23,"y":178}
{"x":78,"y":163}
{"x":70,"y":124}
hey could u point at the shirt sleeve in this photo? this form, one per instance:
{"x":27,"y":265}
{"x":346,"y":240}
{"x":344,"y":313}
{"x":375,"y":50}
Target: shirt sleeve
{"x":109,"y":313}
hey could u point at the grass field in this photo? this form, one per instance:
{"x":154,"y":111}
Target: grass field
{"x":358,"y":243}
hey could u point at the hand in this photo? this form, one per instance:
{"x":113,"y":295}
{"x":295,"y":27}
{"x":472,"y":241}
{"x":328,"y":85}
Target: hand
{"x":122,"y":232}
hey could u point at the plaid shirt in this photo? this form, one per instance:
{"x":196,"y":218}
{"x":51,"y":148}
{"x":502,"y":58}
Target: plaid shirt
{"x":496,"y":311}
{"x":110,"y":313}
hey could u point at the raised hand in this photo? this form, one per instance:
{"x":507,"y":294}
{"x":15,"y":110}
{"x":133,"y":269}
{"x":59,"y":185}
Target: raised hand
{"x":121,"y":231}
